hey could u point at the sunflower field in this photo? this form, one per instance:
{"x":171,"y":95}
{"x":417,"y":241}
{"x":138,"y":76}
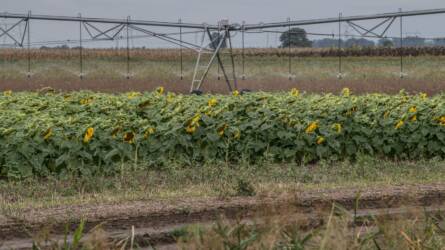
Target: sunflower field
{"x":86,"y":133}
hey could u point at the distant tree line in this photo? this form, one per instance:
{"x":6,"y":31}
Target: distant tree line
{"x":297,"y":37}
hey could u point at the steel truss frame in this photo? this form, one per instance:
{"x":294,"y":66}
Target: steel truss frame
{"x":7,"y":32}
{"x":224,"y":29}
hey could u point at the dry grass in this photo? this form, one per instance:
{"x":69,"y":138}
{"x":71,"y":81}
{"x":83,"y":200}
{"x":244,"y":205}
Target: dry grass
{"x":339,"y":229}
{"x":212,"y":181}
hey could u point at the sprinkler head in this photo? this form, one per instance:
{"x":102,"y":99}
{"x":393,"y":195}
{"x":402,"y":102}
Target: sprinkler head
{"x":245,"y":91}
{"x":196,"y":92}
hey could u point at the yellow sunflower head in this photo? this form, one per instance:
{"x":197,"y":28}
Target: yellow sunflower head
{"x":212,"y":102}
{"x":149,"y":132}
{"x":346,"y":92}
{"x":191,"y":129}
{"x":294,"y":92}
{"x":312,"y":127}
{"x":7,"y":93}
{"x":88,"y":135}
{"x":160,"y":90}
{"x":399,"y":124}
{"x":132,"y":95}
{"x":47,"y":134}
{"x":320,"y":140}
{"x":442,"y":120}
{"x":337,"y":127}
{"x":195,"y":120}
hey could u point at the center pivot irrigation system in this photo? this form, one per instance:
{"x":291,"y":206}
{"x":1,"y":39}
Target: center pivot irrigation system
{"x":209,"y":44}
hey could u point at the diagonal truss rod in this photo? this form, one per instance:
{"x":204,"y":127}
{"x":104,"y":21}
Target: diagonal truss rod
{"x":76,"y":41}
{"x":98,"y":30}
{"x":388,"y":26}
{"x":169,"y":39}
{"x":6,"y":32}
{"x":359,"y":29}
{"x":216,"y":52}
{"x":116,"y":29}
{"x":377,"y":26}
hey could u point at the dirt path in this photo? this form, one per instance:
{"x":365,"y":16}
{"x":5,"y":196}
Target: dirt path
{"x":155,"y":219}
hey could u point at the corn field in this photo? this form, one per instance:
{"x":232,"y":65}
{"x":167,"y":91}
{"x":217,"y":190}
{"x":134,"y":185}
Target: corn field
{"x":175,"y":54}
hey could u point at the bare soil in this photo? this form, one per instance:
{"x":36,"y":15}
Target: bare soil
{"x":154,"y":217}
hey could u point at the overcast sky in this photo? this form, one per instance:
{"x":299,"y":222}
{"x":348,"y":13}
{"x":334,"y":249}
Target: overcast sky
{"x":210,"y":11}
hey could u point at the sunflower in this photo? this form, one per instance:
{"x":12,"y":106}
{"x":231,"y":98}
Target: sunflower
{"x":132,"y":95}
{"x":160,"y":90}
{"x":149,"y":132}
{"x":413,"y":109}
{"x":237,"y":134}
{"x":86,"y":101}
{"x":320,"y":140}
{"x":193,"y":124}
{"x":442,"y":120}
{"x":346,"y":92}
{"x":294,"y":92}
{"x":222,"y":129}
{"x":235,"y":93}
{"x":88,"y":135}
{"x":7,"y":93}
{"x":48,"y":133}
{"x":170,"y":97}
{"x":129,"y":137}
{"x":195,"y":120}
{"x":212,"y":102}
{"x":191,"y":129}
{"x":399,"y":124}
{"x":312,"y":127}
{"x":337,"y":127}
{"x":423,"y":96}
{"x":413,"y":118}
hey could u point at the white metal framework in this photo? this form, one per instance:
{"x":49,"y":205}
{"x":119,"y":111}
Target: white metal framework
{"x":212,"y":46}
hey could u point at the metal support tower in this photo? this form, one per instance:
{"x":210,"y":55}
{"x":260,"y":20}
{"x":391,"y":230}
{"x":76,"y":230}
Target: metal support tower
{"x":216,"y":45}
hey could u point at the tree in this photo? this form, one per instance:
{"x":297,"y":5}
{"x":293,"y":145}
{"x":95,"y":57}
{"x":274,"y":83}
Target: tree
{"x":361,"y":43}
{"x":386,"y":43}
{"x":410,"y":41}
{"x":216,"y":39}
{"x":326,"y":43}
{"x":295,"y":37}
{"x":439,"y":42}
